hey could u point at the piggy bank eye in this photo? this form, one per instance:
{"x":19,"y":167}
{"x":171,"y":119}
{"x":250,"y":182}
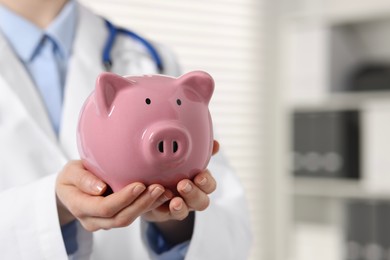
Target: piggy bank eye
{"x":178,"y":101}
{"x":148,"y":101}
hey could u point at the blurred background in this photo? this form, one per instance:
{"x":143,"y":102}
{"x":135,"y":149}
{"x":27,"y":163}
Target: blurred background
{"x":301,"y":109}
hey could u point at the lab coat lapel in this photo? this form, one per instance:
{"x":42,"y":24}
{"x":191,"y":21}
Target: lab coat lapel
{"x":18,"y":79}
{"x":84,"y":67}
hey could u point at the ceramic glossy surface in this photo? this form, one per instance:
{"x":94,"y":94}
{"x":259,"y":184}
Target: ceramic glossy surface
{"x":152,"y":129}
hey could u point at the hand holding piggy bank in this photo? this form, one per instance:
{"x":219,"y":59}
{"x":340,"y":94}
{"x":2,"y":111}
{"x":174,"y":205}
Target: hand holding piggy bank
{"x":149,"y":129}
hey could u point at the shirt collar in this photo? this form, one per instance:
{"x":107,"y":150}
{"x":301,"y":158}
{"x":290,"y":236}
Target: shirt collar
{"x":25,"y":37}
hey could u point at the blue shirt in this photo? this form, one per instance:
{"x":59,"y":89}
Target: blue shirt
{"x":26,"y":39}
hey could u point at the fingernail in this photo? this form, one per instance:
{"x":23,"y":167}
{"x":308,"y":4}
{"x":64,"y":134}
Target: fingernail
{"x":164,"y":198}
{"x":187,"y":188}
{"x":178,"y":206}
{"x":156,"y":192}
{"x":100,"y":186}
{"x":202,"y":181}
{"x":138,"y":189}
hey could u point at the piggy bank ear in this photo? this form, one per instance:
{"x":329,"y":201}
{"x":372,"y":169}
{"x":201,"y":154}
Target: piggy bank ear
{"x":108,"y":85}
{"x":199,"y":82}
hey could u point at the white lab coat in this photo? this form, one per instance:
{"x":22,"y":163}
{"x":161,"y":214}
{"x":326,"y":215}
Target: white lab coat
{"x":31,"y":156}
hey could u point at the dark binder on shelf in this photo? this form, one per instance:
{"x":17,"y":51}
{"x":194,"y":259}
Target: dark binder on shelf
{"x":361,"y":234}
{"x":326,"y":144}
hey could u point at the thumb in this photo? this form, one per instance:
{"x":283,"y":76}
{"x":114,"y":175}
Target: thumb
{"x":90,"y":184}
{"x":83,"y":179}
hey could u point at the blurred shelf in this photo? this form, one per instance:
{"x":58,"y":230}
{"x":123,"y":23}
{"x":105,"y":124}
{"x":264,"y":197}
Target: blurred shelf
{"x":337,"y":12}
{"x":359,"y":96}
{"x":350,"y":11}
{"x":340,"y":100}
{"x":333,"y":189}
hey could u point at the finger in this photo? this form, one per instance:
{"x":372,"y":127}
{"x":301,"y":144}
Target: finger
{"x":86,"y":205}
{"x":194,"y":197}
{"x":166,"y":196}
{"x":215,"y":147}
{"x":127,"y":215}
{"x":78,"y":176}
{"x":206,"y":182}
{"x":160,"y":209}
{"x":158,"y":214}
{"x":178,"y":208}
{"x":153,"y":195}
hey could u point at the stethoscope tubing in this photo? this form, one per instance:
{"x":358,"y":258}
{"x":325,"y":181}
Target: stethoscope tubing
{"x":113,"y":32}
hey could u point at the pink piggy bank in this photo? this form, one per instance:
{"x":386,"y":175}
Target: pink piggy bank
{"x":150,"y":129}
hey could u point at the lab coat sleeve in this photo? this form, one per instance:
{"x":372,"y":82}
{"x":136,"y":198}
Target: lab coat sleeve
{"x":29,"y":226}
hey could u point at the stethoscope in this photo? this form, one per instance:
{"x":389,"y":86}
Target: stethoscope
{"x":113,"y":32}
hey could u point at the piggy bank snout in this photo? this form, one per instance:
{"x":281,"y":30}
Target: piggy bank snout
{"x":167,"y":145}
